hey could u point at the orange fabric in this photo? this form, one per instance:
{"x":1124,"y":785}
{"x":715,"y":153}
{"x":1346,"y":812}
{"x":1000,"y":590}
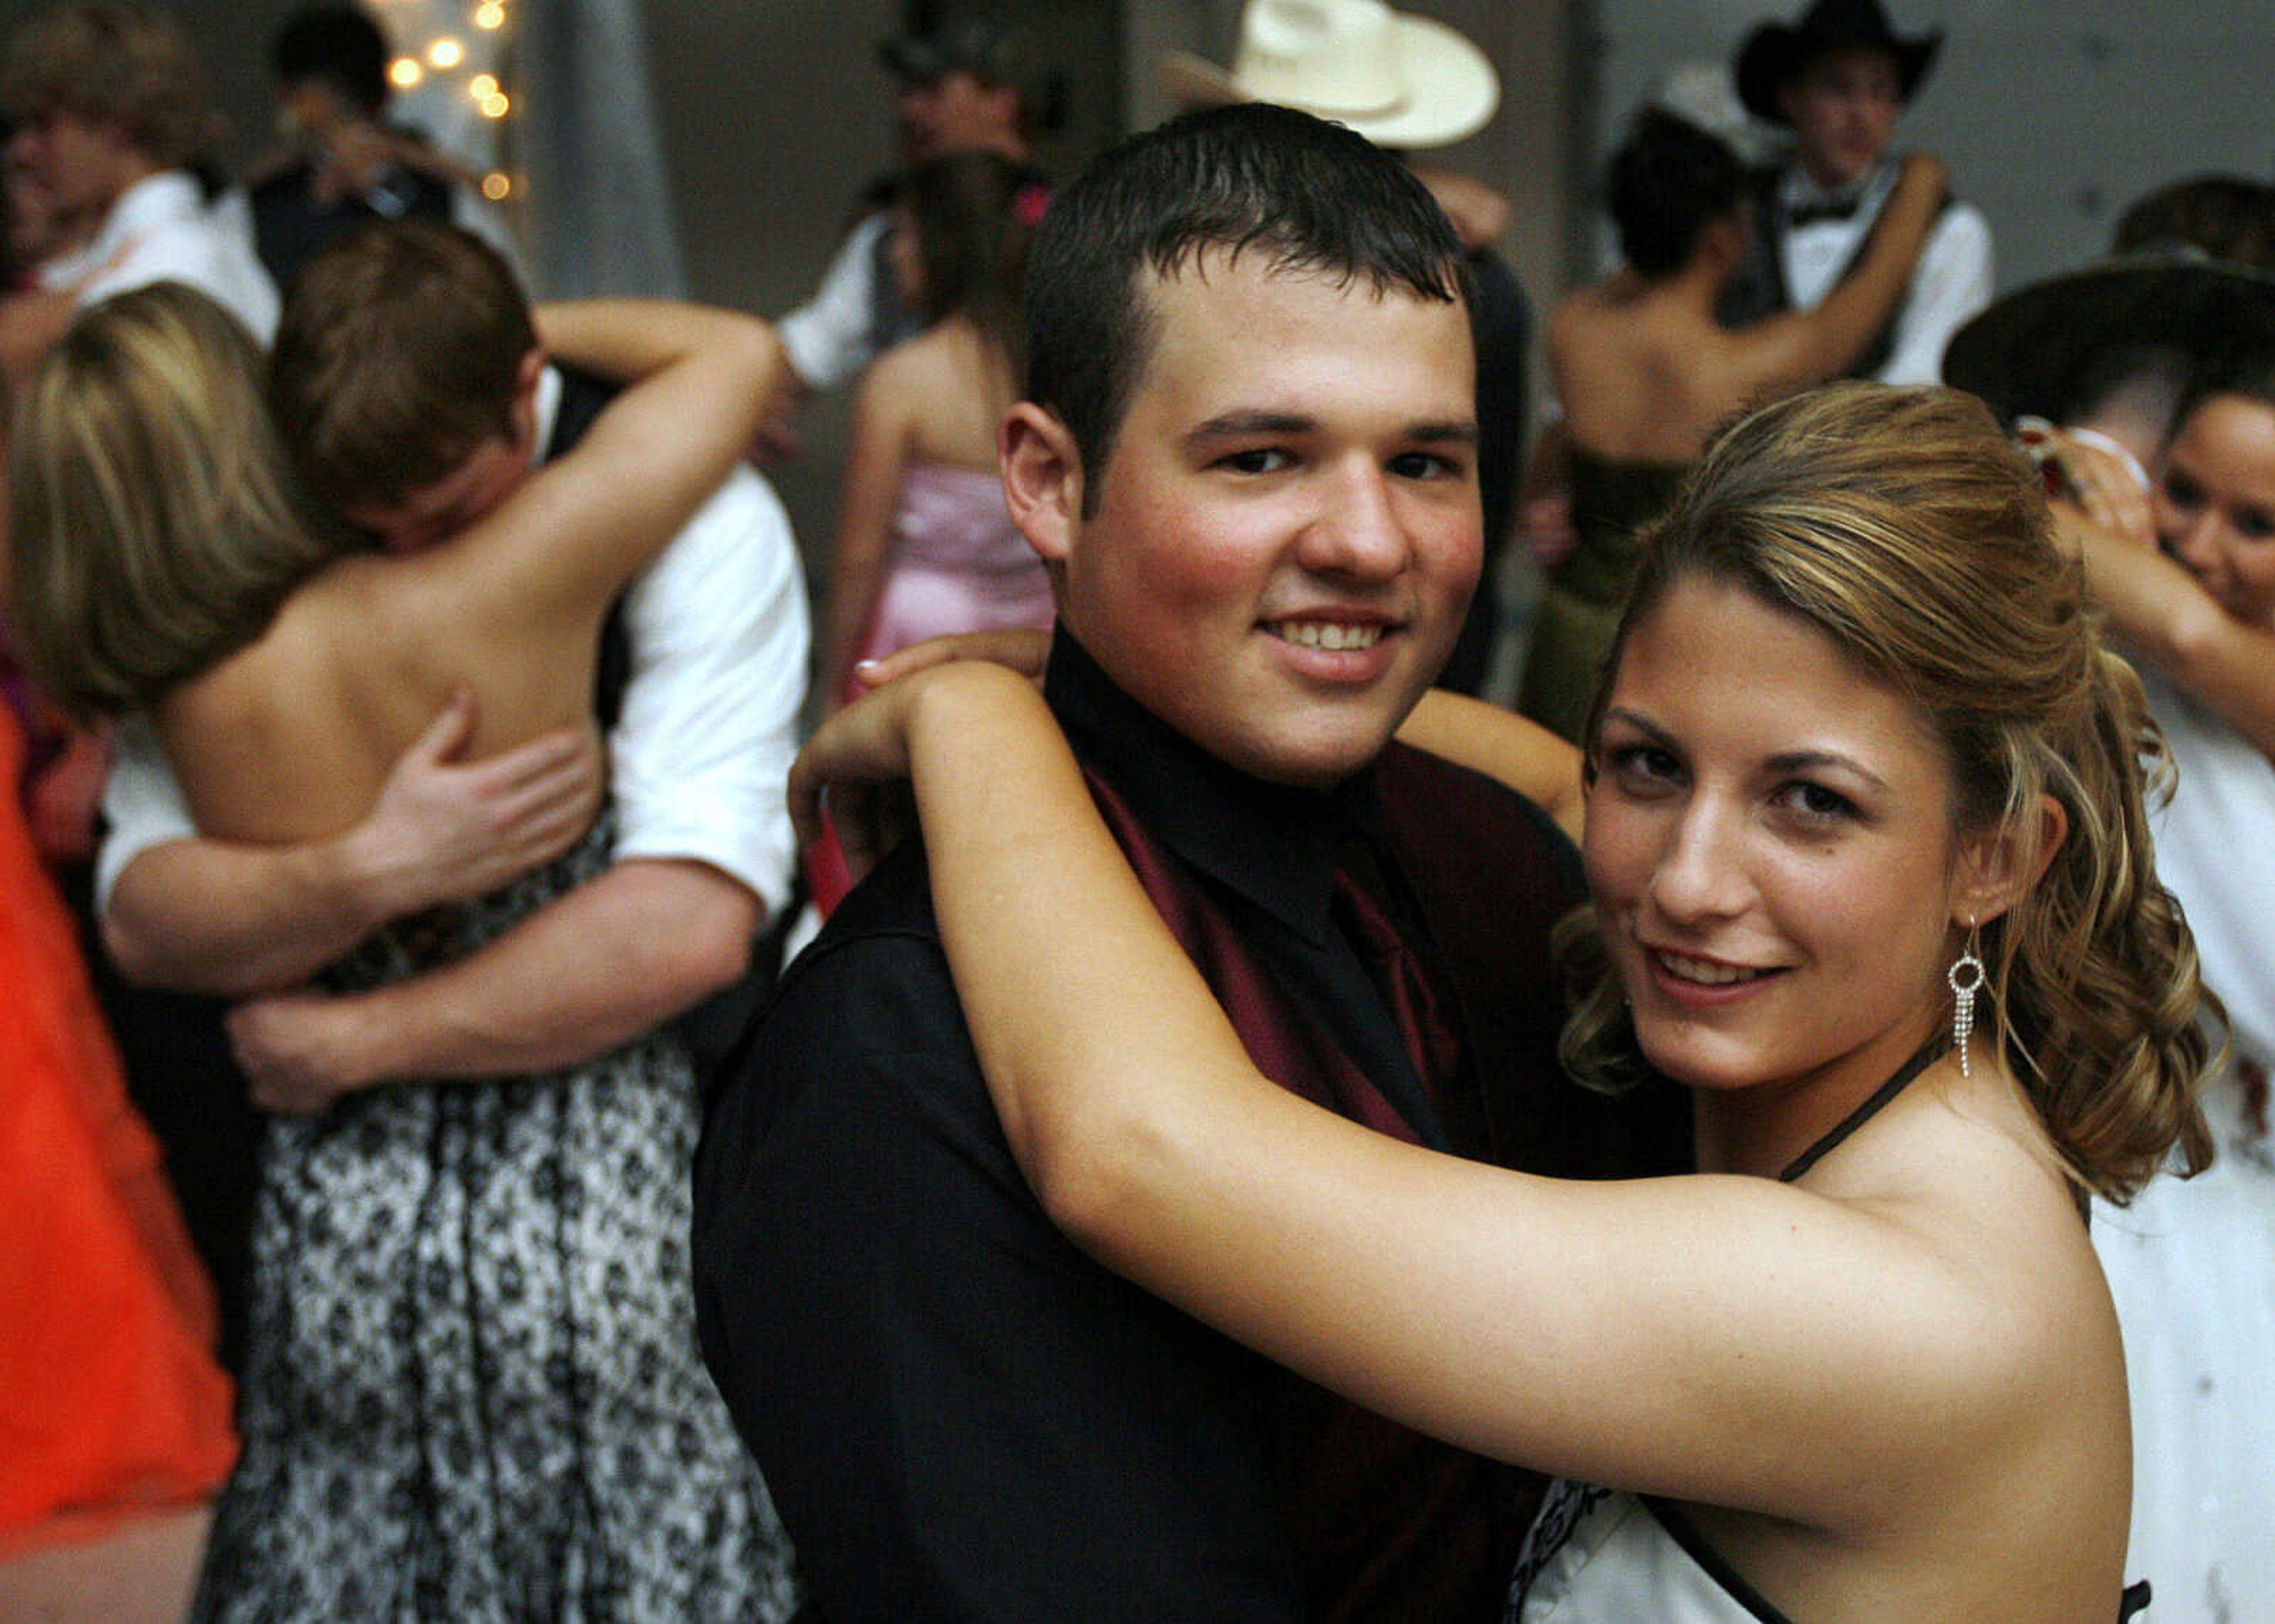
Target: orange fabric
{"x":109,"y":1396}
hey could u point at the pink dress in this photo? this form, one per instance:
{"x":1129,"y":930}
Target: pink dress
{"x":959,"y":563}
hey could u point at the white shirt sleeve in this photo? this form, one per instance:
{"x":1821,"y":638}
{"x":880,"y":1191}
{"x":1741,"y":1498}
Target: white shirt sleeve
{"x":829,"y":336}
{"x":700,"y":754}
{"x":1951,"y":283}
{"x":142,"y":805}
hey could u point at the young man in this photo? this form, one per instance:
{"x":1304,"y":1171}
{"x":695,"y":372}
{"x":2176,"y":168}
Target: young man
{"x":1408,"y":83}
{"x":408,"y":384}
{"x":112,"y":114}
{"x":1839,"y":79}
{"x":1248,"y":459}
{"x":969,"y":86}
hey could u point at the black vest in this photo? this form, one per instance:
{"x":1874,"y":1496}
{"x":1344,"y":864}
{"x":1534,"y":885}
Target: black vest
{"x":712,"y":1025}
{"x":289,"y":224}
{"x":582,"y":398}
{"x":1759,"y":291}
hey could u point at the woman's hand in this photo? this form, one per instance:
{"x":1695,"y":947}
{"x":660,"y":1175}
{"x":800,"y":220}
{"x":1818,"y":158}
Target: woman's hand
{"x":2093,"y":475}
{"x":860,"y":759}
{"x":300,"y":1051}
{"x":1024,"y":651}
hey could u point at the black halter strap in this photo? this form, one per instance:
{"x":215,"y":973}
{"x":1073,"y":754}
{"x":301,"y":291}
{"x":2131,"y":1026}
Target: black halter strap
{"x":1933,"y":1050}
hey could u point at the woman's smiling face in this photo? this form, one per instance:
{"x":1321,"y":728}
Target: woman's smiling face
{"x":2214,"y":503}
{"x":1771,"y":848}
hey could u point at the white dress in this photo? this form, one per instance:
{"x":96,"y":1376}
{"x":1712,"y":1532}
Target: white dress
{"x":1601,"y":1556}
{"x":2191,"y":1264}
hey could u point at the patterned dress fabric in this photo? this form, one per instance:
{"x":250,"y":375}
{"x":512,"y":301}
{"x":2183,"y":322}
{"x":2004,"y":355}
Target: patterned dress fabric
{"x":474,"y":1390}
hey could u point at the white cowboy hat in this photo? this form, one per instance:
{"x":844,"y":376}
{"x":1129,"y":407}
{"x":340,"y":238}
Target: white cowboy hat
{"x":1398,"y":79}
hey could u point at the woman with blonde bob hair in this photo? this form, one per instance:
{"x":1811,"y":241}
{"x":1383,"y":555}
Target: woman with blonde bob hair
{"x":147,"y":443}
{"x":1870,"y":876}
{"x":471,"y":1386}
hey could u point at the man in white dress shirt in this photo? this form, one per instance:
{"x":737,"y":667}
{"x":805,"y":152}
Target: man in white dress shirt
{"x":1839,"y":79}
{"x":110,"y":114}
{"x":968,"y":86}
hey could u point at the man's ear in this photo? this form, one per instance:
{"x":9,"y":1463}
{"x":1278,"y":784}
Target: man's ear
{"x":1998,"y":867}
{"x":1042,"y":481}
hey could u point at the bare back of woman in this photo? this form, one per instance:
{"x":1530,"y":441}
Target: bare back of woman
{"x":1644,"y":371}
{"x":291,"y":738}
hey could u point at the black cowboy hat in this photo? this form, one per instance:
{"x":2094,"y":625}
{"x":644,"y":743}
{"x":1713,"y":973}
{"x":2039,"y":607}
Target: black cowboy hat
{"x":1773,"y":52}
{"x":2043,"y":350}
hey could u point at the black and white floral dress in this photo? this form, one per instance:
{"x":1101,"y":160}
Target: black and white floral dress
{"x":473,"y":1392}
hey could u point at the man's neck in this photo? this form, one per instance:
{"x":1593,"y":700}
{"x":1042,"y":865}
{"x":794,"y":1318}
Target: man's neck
{"x":1823,"y":181}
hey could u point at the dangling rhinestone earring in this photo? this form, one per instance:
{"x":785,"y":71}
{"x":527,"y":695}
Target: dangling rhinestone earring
{"x":1966,"y":977}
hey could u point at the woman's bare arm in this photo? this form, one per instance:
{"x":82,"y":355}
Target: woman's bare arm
{"x":1706,"y":1337}
{"x":1515,"y":750}
{"x":1804,"y":346}
{"x":2168,"y":622}
{"x":699,"y":382}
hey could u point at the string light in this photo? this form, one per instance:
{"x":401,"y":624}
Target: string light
{"x":451,"y":55}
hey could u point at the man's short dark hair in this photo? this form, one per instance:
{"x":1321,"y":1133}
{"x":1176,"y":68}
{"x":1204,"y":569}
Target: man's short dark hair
{"x":339,"y":46}
{"x":398,"y":353}
{"x":1309,"y":196}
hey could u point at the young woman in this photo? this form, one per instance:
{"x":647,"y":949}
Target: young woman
{"x":925,"y":545}
{"x":1644,"y":372}
{"x":1857,"y":747}
{"x":472,"y":1387}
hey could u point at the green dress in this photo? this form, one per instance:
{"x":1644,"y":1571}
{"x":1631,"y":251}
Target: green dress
{"x":1580,"y":609}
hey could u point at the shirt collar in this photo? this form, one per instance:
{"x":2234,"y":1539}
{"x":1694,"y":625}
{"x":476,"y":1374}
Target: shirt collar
{"x":1798,"y":189}
{"x":547,"y":405}
{"x":1273,"y":844}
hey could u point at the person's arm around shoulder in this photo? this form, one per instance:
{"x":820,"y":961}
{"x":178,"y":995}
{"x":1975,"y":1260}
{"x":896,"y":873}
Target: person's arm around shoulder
{"x":1513,"y":750}
{"x":709,"y":722}
{"x":1576,"y":1327}
{"x":2163,"y":616}
{"x":1804,"y":346}
{"x":700,"y":382}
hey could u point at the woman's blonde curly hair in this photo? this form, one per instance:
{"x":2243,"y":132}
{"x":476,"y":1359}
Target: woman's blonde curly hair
{"x":1901,"y":524}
